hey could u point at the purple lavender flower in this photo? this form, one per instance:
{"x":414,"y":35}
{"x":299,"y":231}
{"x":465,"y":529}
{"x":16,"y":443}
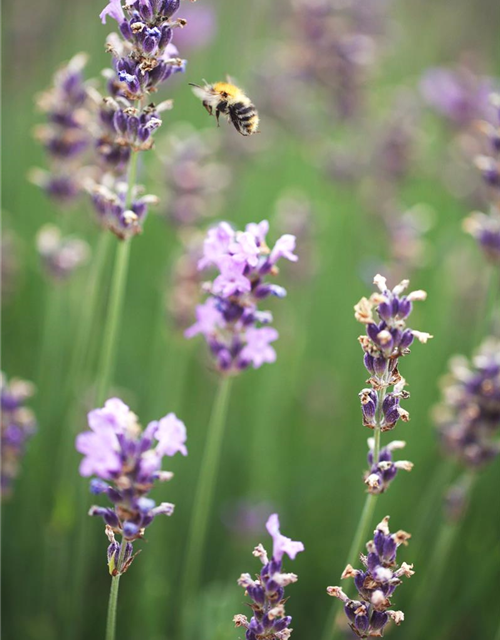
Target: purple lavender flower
{"x":468,"y":418}
{"x":387,"y":339}
{"x":485,"y":228}
{"x":66,"y":135}
{"x":60,"y":256}
{"x":195,"y":181}
{"x":18,"y":424}
{"x":127,"y":462}
{"x":230,"y":317}
{"x":456,"y":93}
{"x":375,"y":584}
{"x":267,"y":592}
{"x":380,"y":475}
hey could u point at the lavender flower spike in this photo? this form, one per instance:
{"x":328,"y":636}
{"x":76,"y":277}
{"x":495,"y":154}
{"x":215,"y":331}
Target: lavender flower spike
{"x":230,"y":319}
{"x":375,"y":584}
{"x":387,"y":340}
{"x":468,"y":418}
{"x":127,"y":462}
{"x":17,"y":426}
{"x":268,"y":590}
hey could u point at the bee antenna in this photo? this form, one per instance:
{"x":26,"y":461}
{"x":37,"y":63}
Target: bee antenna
{"x":192,"y":84}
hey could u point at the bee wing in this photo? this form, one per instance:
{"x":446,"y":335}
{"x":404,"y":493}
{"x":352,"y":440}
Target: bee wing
{"x":232,"y":80}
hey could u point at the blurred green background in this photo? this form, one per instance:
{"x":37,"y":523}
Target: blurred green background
{"x":294,"y":441}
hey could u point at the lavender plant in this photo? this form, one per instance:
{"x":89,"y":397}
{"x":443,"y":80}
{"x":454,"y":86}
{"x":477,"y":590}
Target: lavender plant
{"x":387,"y":340}
{"x":18,"y":424}
{"x":60,"y":256}
{"x":238,"y":336}
{"x":230,"y":319}
{"x":267,"y":591}
{"x":66,"y":136}
{"x":485,"y":227}
{"x":127,"y":462}
{"x":468,"y":418}
{"x":375,"y":584}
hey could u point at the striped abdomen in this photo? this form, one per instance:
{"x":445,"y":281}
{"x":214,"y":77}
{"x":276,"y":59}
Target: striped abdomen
{"x":244,"y":118}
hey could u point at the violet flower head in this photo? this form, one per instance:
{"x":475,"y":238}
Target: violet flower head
{"x":236,"y":331}
{"x":376,"y":583}
{"x":195,"y":182}
{"x":387,"y":340}
{"x":485,"y":228}
{"x":267,"y":591}
{"x":17,"y":424}
{"x":380,"y":475}
{"x":66,"y":134}
{"x":126,"y":462}
{"x":457,"y":93}
{"x":468,"y":417}
{"x":60,"y":256}
{"x":144,"y":57}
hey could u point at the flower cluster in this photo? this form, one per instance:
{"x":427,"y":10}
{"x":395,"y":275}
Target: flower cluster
{"x":457,"y":93}
{"x":109,"y":198}
{"x":387,"y":339}
{"x":485,"y":228}
{"x":468,"y":418}
{"x":17,"y":424}
{"x":195,"y":181}
{"x":143,"y":57}
{"x":230,"y":317}
{"x":380,"y":475}
{"x":335,"y":55}
{"x":60,"y":256}
{"x":267,"y":591}
{"x":127,"y":462}
{"x":375,"y":584}
{"x":65,"y":136}
{"x":183,"y":286}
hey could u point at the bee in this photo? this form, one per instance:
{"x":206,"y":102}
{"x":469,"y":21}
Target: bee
{"x":228,"y":99}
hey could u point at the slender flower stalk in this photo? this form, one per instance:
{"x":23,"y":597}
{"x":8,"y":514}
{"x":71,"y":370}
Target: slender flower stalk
{"x":126,"y":462}
{"x":269,"y":620}
{"x":229,"y":321}
{"x":205,"y":492}
{"x":386,"y":341}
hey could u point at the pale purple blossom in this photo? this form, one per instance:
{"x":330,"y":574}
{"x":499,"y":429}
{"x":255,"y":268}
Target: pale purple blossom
{"x":281,"y":544}
{"x":230,"y":319}
{"x":117,"y":451}
{"x":114,"y":10}
{"x":257,"y":349}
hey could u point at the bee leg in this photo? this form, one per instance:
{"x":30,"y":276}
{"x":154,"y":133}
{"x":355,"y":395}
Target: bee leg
{"x":217,"y":115}
{"x":208,"y":108}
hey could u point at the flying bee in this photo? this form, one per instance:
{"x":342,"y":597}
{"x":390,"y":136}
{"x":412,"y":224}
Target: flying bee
{"x":228,"y":99}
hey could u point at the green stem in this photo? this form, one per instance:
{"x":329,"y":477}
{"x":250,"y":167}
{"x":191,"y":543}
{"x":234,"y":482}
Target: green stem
{"x":205,"y":492}
{"x":497,"y":636}
{"x":110,"y":339}
{"x":360,"y":535}
{"x":113,"y":596}
{"x":111,"y":329}
{"x":82,"y":338}
{"x":436,"y":565}
{"x":487,"y":313}
{"x":367,"y":514}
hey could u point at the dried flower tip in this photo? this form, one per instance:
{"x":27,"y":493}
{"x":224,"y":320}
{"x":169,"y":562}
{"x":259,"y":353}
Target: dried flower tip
{"x":422,"y":336}
{"x":246,"y":580}
{"x":402,"y":537}
{"x":403,"y":414}
{"x":397,"y":616}
{"x":240,"y":620}
{"x":337,"y":592}
{"x":284,"y":579}
{"x":418,"y":295}
{"x":110,"y":534}
{"x":384,"y":526}
{"x":373,"y":481}
{"x":276,"y":612}
{"x":363,"y":311}
{"x":260,"y":552}
{"x":349,"y":572}
{"x":406,"y":465}
{"x":402,"y":286}
{"x":380,"y":282}
{"x":405,"y":570}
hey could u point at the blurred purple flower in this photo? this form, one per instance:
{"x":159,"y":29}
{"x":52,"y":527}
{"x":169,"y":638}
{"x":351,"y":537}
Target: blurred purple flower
{"x":202,"y":21}
{"x":281,"y":544}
